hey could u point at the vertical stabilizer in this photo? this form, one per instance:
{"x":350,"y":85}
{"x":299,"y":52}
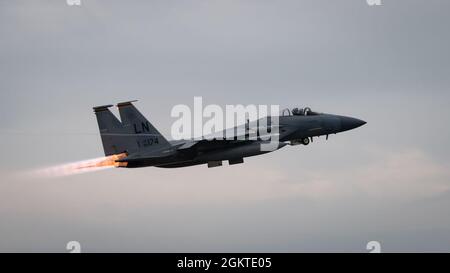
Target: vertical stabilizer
{"x":114,"y":137}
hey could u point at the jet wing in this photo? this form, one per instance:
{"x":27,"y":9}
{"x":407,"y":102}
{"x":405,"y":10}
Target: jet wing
{"x":243,"y":134}
{"x":248,"y":131}
{"x":213,"y":144}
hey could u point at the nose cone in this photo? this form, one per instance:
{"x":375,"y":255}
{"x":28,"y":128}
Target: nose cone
{"x":348,"y":123}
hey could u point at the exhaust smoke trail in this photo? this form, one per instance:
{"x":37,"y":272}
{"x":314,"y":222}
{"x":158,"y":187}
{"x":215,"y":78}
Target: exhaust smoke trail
{"x":84,"y":166}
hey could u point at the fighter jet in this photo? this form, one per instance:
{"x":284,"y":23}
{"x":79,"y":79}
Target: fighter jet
{"x":134,"y":142}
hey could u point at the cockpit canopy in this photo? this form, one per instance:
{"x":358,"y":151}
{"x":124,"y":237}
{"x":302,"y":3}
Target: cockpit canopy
{"x":298,"y":112}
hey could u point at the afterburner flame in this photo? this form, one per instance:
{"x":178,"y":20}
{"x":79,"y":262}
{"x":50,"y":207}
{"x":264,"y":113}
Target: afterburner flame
{"x":85,"y":166}
{"x":109,"y":161}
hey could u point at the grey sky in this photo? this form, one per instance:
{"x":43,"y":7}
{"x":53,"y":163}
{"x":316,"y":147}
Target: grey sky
{"x":387,"y":181}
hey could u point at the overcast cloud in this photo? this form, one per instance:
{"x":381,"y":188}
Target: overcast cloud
{"x":388,"y":180}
